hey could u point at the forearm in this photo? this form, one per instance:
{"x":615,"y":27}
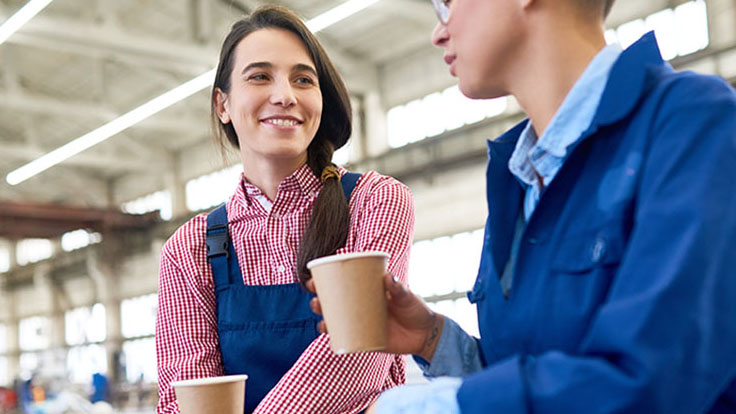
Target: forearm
{"x":323,"y":382}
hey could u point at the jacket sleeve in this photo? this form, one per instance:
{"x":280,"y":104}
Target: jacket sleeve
{"x":664,"y":338}
{"x":323,"y":382}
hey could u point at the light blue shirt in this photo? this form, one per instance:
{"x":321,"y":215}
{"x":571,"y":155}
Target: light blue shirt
{"x":457,"y":353}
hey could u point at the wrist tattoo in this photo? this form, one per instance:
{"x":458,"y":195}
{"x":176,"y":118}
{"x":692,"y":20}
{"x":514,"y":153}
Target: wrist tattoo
{"x":435,"y":333}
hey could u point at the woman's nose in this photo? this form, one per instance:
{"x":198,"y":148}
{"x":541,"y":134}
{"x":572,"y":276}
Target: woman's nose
{"x":283,"y":93}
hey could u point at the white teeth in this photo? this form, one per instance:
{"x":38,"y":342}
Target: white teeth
{"x":282,"y":122}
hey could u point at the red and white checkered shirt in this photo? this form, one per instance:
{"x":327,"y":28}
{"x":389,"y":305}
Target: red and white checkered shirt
{"x":266,"y":237}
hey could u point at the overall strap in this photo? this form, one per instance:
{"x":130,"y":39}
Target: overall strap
{"x":348,"y":181}
{"x":219,"y":249}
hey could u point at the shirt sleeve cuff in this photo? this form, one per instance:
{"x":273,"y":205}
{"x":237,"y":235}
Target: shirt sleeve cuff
{"x":457,"y":354}
{"x":437,"y":397}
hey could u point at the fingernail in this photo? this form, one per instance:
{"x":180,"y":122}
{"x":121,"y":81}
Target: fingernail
{"x":396,"y":279}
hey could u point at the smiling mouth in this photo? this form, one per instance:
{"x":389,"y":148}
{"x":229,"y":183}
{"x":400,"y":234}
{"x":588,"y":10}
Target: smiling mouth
{"x":282,"y":122}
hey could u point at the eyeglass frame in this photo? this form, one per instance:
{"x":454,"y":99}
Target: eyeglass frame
{"x":442,"y":8}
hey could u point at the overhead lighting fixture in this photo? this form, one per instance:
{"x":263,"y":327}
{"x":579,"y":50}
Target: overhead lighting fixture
{"x":338,"y":13}
{"x":155,"y":105}
{"x":111,"y":128}
{"x":21,"y":17}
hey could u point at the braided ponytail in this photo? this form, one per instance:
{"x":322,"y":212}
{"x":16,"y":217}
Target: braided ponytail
{"x":328,"y":227}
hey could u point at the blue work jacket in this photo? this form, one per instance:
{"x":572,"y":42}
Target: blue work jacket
{"x":624,"y":288}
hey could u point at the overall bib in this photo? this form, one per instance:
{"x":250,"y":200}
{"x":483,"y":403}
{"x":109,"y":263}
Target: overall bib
{"x":263,"y":330}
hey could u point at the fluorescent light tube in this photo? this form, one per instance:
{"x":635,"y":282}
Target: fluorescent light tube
{"x":21,"y":17}
{"x":338,"y":13}
{"x":111,"y":128}
{"x":155,"y":105}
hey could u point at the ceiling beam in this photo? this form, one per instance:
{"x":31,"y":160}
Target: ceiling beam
{"x":30,"y":220}
{"x":100,"y":40}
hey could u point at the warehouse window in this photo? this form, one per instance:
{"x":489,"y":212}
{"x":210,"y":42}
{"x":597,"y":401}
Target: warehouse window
{"x":85,"y":325}
{"x":680,"y":31}
{"x":3,"y":339}
{"x":140,"y":360}
{"x":442,"y":270}
{"x":342,"y":155}
{"x":4,"y":377}
{"x":33,"y":250}
{"x":212,"y":189}
{"x":34,"y":333}
{"x":83,"y":361}
{"x":78,"y":239}
{"x":436,"y":113}
{"x":139,"y":320}
{"x":29,"y":363}
{"x":160,"y":200}
{"x":138,"y":316}
{"x":4,"y":260}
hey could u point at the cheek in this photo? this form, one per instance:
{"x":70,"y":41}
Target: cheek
{"x":315,"y":108}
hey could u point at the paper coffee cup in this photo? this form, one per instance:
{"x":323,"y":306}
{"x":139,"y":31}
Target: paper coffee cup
{"x":350,"y":290}
{"x":224,"y":395}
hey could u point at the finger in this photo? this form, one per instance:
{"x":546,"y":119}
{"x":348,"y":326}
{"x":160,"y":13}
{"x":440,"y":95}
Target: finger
{"x":322,"y":327}
{"x":310,"y":286}
{"x":395,"y":288}
{"x":315,"y":306}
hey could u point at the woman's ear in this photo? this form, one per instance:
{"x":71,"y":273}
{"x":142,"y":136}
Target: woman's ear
{"x":221,"y":106}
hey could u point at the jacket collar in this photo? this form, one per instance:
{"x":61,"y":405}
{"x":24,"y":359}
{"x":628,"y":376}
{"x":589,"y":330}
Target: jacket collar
{"x":629,"y":80}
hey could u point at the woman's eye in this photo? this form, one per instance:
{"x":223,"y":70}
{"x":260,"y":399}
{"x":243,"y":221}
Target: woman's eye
{"x":258,"y":77}
{"x":305,"y":80}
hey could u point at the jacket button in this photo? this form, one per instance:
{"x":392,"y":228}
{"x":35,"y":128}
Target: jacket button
{"x":599,"y":250}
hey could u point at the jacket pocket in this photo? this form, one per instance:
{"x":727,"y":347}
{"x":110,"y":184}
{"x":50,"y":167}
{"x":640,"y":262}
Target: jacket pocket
{"x":583,"y":251}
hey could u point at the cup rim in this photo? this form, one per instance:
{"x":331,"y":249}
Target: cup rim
{"x":345,"y":256}
{"x":209,"y":380}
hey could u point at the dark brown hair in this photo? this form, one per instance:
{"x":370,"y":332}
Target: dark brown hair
{"x":328,"y":227}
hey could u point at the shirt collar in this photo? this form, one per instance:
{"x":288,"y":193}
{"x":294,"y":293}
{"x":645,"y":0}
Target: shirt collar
{"x":302,"y":181}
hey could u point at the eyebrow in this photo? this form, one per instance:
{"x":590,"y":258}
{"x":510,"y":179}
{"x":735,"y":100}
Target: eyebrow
{"x":267,"y":65}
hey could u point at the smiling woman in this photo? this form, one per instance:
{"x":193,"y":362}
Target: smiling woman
{"x":230,"y":299}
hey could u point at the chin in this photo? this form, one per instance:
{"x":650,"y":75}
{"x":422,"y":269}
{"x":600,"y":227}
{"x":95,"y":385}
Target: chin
{"x":476,"y":91}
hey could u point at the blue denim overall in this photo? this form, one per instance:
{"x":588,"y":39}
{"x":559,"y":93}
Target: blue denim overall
{"x":263,"y":329}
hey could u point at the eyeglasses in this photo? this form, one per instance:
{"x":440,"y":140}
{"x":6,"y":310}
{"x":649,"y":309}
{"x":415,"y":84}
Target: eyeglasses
{"x":442,"y":7}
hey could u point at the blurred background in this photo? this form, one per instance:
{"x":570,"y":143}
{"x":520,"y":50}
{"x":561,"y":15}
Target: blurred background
{"x":80,"y":240}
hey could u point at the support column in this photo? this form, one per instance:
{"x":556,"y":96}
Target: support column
{"x":11,"y":345}
{"x":103,"y":270}
{"x":176,"y":187}
{"x":376,"y":138}
{"x":721,"y":23}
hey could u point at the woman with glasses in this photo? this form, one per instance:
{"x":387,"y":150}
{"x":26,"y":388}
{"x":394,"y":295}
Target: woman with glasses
{"x":606,"y":281}
{"x":230,"y":298}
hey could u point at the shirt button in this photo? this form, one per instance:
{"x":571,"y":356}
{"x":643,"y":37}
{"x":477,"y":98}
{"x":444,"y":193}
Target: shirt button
{"x":281,"y":268}
{"x":276,"y":215}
